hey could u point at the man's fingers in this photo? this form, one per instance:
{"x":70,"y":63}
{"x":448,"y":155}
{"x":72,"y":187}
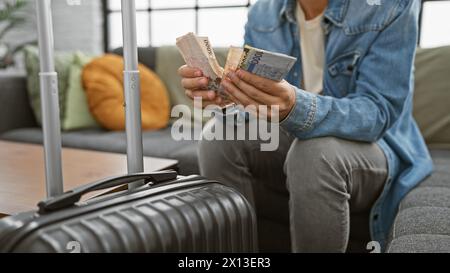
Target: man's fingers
{"x":194,"y":83}
{"x":205,"y":95}
{"x":261,"y":83}
{"x":251,"y":91}
{"x":237,"y":95}
{"x":189,"y":72}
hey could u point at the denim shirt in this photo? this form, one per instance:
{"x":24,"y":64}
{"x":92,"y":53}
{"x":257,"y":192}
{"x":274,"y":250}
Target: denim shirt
{"x":367,"y":89}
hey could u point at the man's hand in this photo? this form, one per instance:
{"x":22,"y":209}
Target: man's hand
{"x":195,"y":85}
{"x":245,"y":88}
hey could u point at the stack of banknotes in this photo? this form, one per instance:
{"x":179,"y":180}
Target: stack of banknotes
{"x":197,"y":52}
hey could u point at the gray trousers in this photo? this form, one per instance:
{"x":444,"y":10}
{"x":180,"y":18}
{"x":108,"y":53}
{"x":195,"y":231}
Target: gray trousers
{"x":327,"y":178}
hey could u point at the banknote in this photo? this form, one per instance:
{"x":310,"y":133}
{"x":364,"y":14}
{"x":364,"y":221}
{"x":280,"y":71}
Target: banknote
{"x":233,"y":58}
{"x":270,"y":65}
{"x":198,"y":52}
{"x":209,"y":52}
{"x":195,"y":53}
{"x":231,"y":64}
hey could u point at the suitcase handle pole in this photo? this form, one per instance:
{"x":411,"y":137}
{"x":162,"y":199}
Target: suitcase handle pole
{"x":49,"y":100}
{"x":69,"y":198}
{"x":132,"y":92}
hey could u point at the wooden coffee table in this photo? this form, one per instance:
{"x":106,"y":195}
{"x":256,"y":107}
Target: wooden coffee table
{"x":22,"y":175}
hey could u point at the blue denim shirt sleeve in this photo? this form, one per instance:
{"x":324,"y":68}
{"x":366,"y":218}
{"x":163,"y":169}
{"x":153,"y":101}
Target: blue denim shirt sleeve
{"x":379,"y":96}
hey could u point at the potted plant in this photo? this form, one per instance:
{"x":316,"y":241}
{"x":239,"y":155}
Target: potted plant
{"x":10,"y":17}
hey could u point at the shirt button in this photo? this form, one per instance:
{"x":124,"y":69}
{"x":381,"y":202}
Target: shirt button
{"x":295,"y":74}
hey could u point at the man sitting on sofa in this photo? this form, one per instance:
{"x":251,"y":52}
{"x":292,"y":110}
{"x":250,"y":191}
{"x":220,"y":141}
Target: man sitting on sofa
{"x":349,"y":143}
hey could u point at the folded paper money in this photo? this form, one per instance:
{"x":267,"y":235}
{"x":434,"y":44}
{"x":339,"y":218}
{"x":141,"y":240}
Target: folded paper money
{"x":197,"y":52}
{"x":270,"y":65}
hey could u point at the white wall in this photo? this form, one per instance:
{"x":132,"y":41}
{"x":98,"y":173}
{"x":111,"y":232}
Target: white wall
{"x":76,"y":27}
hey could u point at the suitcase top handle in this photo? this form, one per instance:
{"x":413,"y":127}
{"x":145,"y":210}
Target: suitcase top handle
{"x":69,"y":198}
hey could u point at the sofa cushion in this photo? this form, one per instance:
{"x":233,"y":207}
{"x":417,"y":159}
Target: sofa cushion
{"x":424,"y":213}
{"x":77,"y":115}
{"x":427,"y":197}
{"x":63,"y":61}
{"x":103,"y":80}
{"x":156,"y":143}
{"x":431,"y":95}
{"x":422,"y":220}
{"x":420,"y":243}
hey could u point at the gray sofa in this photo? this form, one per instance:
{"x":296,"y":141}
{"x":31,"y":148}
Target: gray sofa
{"x":423,"y":220}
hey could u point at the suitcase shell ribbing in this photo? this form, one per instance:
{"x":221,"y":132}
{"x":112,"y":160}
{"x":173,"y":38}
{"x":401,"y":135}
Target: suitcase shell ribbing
{"x":187,"y":215}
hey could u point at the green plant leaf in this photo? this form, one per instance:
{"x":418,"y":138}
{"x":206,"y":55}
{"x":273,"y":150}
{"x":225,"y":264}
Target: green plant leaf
{"x":10,"y":8}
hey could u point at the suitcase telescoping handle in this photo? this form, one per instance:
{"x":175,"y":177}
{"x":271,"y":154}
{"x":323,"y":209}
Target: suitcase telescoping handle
{"x":132,"y":92}
{"x":49,"y":100}
{"x":69,"y":198}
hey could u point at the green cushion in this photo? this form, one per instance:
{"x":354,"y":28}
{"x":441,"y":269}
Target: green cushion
{"x":432,"y":94}
{"x":77,"y":114}
{"x":74,"y":111}
{"x":62,"y":65}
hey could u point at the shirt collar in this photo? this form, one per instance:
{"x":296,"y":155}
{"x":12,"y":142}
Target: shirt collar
{"x":335,"y":11}
{"x":288,"y":10}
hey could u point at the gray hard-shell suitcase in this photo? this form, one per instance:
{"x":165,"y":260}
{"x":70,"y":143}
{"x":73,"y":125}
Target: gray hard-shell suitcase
{"x":160,"y":212}
{"x":189,"y":214}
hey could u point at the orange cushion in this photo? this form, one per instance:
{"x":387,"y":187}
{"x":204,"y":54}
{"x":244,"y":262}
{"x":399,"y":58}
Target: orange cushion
{"x":103,"y":82}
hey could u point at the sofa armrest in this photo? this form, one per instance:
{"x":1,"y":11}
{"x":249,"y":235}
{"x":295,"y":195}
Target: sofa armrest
{"x":15,"y":110}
